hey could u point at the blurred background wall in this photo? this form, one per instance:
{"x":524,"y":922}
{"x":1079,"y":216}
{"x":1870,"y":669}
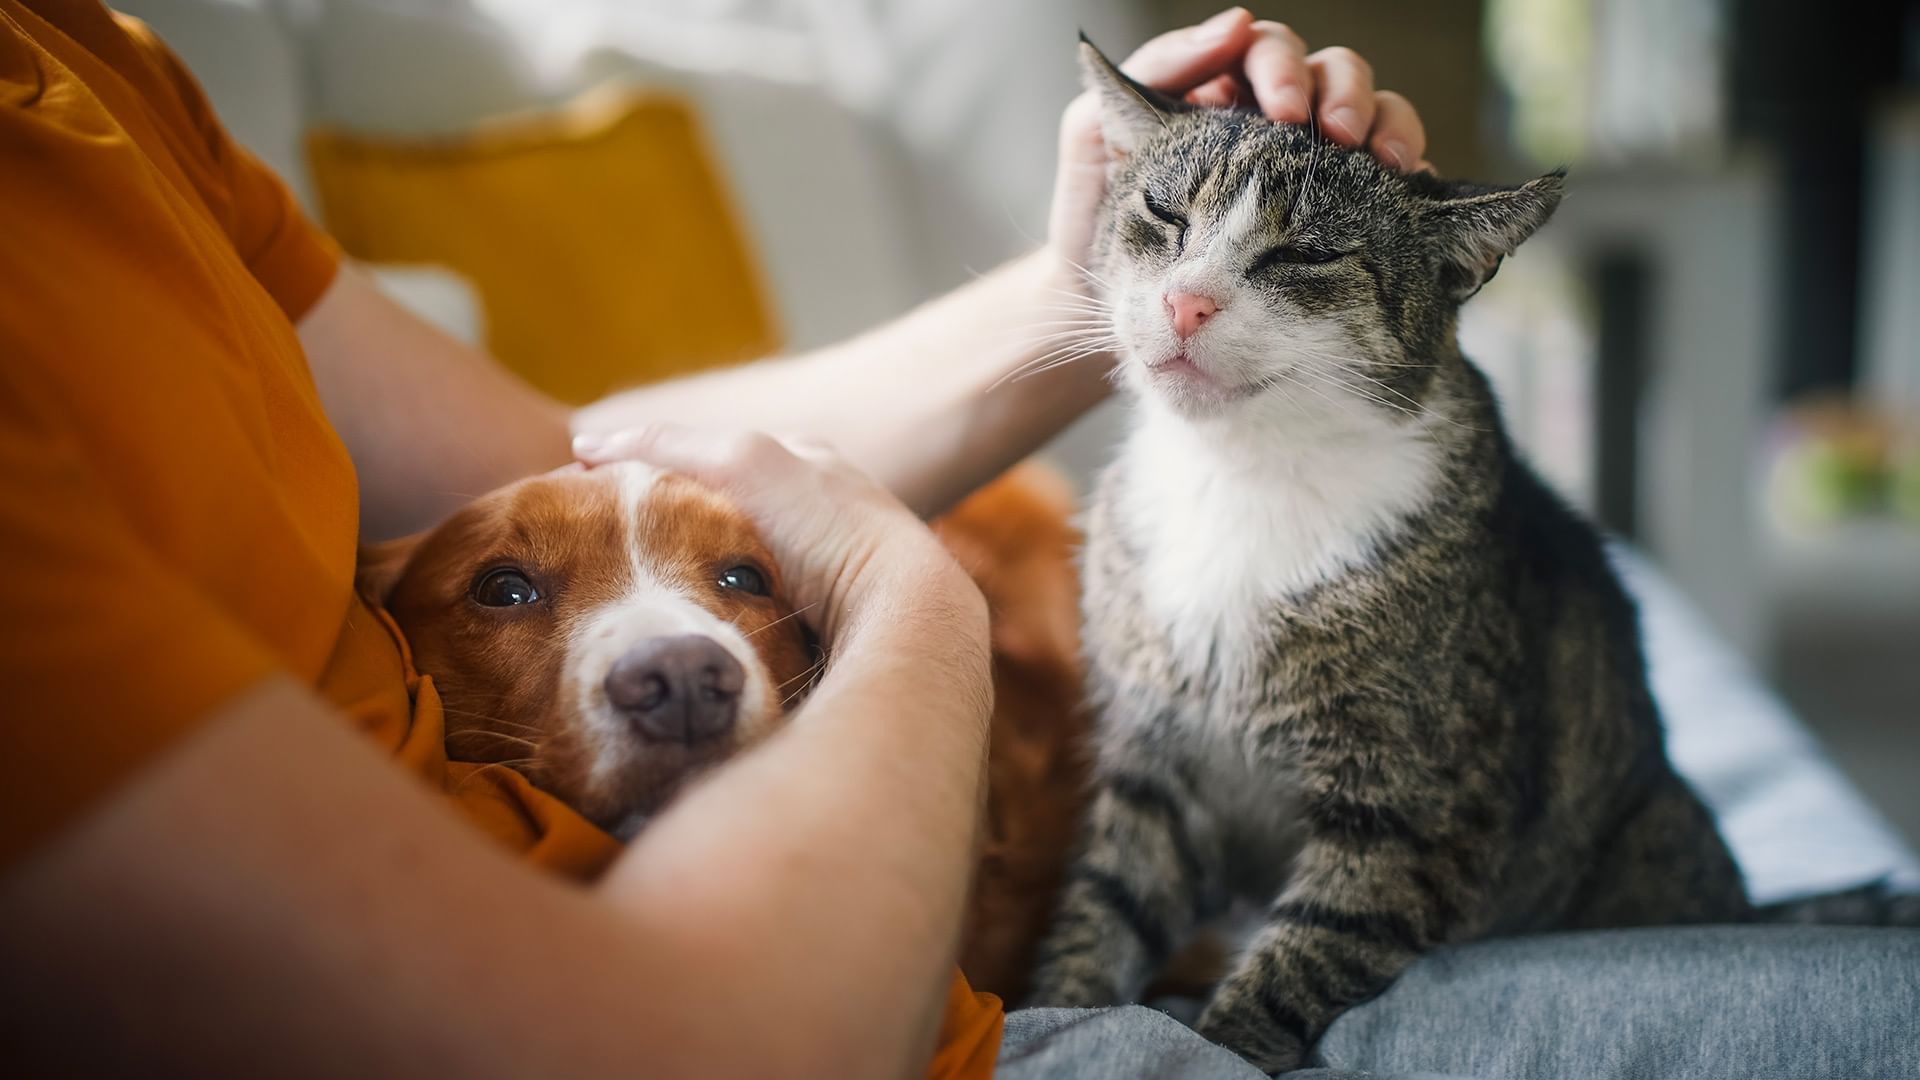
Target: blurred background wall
{"x":1715,"y":348}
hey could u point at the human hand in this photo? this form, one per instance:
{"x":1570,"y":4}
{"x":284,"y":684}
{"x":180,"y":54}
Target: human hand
{"x":1234,"y":59}
{"x":852,"y":553}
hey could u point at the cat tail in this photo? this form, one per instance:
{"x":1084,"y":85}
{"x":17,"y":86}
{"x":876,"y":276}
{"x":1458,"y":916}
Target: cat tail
{"x":1872,"y":904}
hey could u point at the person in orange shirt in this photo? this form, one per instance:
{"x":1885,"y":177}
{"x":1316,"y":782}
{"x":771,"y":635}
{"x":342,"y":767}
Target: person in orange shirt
{"x":210,"y":863}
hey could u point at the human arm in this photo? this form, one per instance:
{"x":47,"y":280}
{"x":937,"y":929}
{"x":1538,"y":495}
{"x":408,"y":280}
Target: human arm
{"x":928,"y":404}
{"x":272,"y":895}
{"x":943,"y":399}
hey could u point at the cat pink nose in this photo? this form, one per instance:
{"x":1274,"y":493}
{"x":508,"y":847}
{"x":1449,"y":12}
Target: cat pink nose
{"x":1189,"y":310}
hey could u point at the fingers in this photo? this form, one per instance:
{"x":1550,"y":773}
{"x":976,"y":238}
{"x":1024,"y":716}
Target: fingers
{"x":718,"y":458}
{"x":1219,"y":92}
{"x":1276,"y":67}
{"x":1233,"y":60}
{"x":1178,"y":61}
{"x":817,"y":451}
{"x":1346,"y":104}
{"x":708,"y":456}
{"x":1398,"y":138}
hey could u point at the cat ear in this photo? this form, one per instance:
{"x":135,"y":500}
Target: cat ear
{"x":1474,"y":226}
{"x":1128,"y":110}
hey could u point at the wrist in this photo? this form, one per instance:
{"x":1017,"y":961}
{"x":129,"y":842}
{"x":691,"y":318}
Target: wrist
{"x":920,"y":610}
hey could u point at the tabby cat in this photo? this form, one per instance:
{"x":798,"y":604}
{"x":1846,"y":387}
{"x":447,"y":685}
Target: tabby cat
{"x":1352,"y":661}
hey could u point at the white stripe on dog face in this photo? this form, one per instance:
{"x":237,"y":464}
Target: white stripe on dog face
{"x":637,"y":480}
{"x":651,"y":605}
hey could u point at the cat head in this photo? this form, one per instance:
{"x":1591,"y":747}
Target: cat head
{"x":1248,"y":261}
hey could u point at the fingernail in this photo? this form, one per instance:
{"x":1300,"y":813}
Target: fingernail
{"x":1216,"y":29}
{"x":588,"y":443}
{"x":1345,"y":120}
{"x":1395,"y":152}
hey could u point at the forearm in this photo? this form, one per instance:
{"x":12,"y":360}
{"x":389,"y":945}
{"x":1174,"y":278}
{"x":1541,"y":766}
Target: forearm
{"x":273,"y":892}
{"x":862,"y":817}
{"x":431,"y":423}
{"x":932,"y":405}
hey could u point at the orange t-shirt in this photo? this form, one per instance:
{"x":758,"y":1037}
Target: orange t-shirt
{"x":178,"y":518}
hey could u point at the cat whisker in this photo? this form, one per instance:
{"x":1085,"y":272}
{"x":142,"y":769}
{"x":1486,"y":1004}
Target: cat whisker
{"x":1340,"y":406}
{"x":1313,"y":160}
{"x":1090,"y":275}
{"x":1082,"y":333}
{"x":1050,"y":363}
{"x":1045,"y":368}
{"x":1087,"y":320}
{"x":1421,"y":408}
{"x":1385,"y":387}
{"x":1063,"y":362}
{"x":1329,"y":378}
{"x":1078,"y":297}
{"x":1419,"y":411}
{"x":1059,"y":319}
{"x":1054,"y":346}
{"x":1043,"y":332}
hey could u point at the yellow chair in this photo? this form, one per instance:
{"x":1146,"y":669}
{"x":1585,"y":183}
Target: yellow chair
{"x":599,"y":237}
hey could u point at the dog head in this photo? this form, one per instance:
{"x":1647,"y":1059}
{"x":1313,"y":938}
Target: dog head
{"x":610,"y":633}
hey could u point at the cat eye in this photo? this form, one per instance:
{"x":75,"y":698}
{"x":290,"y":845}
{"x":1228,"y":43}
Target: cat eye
{"x":1164,"y":213}
{"x":505,"y":587}
{"x":746,"y":579}
{"x":1296,"y":256}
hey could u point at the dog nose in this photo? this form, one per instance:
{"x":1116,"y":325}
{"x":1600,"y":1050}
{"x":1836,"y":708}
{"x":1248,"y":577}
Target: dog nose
{"x":1189,"y":311}
{"x":677,"y":689}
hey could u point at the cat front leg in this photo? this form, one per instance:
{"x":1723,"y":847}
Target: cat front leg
{"x":1349,"y":921}
{"x":1145,"y":875}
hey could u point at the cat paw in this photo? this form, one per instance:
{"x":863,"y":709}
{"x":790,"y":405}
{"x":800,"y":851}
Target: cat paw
{"x":1246,"y":1028}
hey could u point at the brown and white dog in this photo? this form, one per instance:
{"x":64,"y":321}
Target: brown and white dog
{"x":613,"y":633}
{"x":610,"y":633}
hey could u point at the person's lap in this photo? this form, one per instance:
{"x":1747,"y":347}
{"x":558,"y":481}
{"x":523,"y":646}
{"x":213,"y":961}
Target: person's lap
{"x":1752,"y":1003}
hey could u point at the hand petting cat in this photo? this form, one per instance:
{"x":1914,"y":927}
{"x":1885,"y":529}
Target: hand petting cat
{"x":1235,"y":59}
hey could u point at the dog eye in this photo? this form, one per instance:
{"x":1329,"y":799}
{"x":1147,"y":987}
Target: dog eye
{"x":747,"y":579}
{"x":506,"y":587}
{"x":1297,"y":256}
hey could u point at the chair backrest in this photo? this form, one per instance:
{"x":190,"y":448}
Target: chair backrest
{"x":599,"y":237}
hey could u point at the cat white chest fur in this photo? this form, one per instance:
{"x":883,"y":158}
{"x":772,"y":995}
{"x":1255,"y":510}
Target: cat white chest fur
{"x":1231,"y":514}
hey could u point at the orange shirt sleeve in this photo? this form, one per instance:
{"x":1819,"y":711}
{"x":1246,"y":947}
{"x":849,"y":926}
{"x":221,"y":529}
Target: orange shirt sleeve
{"x":970,"y":1031}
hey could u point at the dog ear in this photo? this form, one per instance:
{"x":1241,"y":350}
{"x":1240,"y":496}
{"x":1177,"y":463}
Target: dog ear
{"x":380,"y":567}
{"x":1129,"y":111}
{"x":1474,"y":226}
